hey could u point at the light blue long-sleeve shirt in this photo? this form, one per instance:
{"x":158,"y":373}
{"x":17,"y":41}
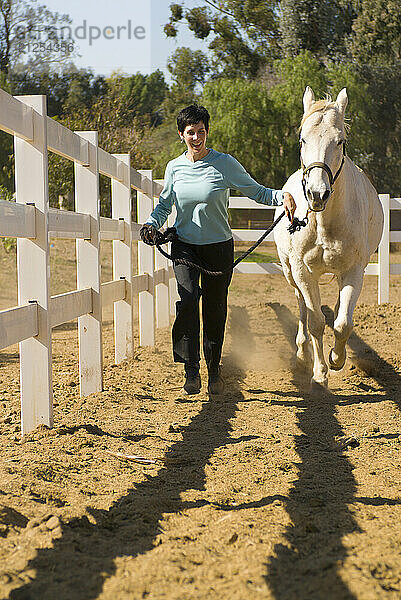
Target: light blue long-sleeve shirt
{"x":200,"y":191}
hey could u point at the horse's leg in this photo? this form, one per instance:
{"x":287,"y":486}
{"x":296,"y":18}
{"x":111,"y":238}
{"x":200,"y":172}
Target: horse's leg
{"x":350,"y":288}
{"x":304,"y":352}
{"x":337,"y":306}
{"x":309,"y":289}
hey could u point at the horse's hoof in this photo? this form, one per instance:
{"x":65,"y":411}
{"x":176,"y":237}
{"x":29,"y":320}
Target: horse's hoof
{"x":333,"y":365}
{"x":317,"y":386}
{"x":303,"y":364}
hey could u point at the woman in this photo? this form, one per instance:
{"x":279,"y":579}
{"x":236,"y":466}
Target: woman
{"x":198,"y":183}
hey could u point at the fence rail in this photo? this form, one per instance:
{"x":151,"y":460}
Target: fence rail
{"x":33,"y":223}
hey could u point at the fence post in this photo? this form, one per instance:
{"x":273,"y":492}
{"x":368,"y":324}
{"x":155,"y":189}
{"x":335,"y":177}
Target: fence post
{"x":31,"y":183}
{"x":88,"y":270}
{"x":384,"y":253}
{"x":162,"y":289}
{"x":146,"y":265}
{"x":122,"y":264}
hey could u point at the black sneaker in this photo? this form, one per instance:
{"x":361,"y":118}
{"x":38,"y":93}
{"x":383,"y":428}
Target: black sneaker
{"x":192,"y":384}
{"x":216,"y":383}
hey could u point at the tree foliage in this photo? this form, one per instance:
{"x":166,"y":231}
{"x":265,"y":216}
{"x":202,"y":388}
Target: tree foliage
{"x":380,"y":113}
{"x":242,"y":34}
{"x":143,"y":95}
{"x":258,"y":122}
{"x":188,"y":68}
{"x":320,"y":26}
{"x":30,"y":35}
{"x":74,"y":89}
{"x":242,"y":124}
{"x":262,"y":56}
{"x":376,"y":36}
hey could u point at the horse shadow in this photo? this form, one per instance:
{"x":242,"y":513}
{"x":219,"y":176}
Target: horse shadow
{"x":80,"y":561}
{"x":318,"y":501}
{"x":370,"y":362}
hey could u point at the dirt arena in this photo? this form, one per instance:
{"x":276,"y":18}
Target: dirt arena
{"x":267,"y":492}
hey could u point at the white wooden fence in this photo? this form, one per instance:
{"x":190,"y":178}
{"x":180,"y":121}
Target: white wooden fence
{"x":33,"y":223}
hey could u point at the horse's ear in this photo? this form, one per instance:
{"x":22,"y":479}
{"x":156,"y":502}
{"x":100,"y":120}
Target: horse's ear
{"x":309,"y":98}
{"x":342,"y":100}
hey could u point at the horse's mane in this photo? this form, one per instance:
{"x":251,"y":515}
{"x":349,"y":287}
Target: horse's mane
{"x":321,"y":106}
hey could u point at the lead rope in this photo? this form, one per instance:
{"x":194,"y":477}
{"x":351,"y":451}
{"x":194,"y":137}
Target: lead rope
{"x":171,"y":234}
{"x":297,"y":224}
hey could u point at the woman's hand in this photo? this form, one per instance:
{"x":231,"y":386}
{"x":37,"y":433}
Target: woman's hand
{"x":289,"y":205}
{"x":149,"y":234}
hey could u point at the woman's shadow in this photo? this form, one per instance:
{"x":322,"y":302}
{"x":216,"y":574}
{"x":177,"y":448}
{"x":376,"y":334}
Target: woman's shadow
{"x":78,"y":564}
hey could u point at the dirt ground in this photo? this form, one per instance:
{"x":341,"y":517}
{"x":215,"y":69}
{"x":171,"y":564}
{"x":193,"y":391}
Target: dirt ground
{"x":267,"y":492}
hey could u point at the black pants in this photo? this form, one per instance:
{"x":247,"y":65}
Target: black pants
{"x":186,"y":328}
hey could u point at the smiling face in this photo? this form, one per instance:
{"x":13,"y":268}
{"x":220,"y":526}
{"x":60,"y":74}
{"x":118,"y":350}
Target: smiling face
{"x":195,"y":138}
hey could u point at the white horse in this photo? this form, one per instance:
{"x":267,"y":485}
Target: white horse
{"x":344,"y":227}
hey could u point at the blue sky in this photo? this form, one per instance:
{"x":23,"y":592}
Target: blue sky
{"x":146,"y":52}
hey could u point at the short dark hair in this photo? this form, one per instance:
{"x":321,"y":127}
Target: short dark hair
{"x":191,"y":115}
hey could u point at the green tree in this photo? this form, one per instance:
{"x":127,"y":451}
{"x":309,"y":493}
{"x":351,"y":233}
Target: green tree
{"x":320,"y":26}
{"x":292,"y":75}
{"x":244,"y":124}
{"x":376,"y":33}
{"x":74,"y":89}
{"x":382,"y":144}
{"x":360,"y":109}
{"x":144,"y":94}
{"x":243,"y":35}
{"x":189,"y":69}
{"x":24,"y":25}
{"x":258,"y":123}
{"x":373,"y":112}
{"x":255,"y":121}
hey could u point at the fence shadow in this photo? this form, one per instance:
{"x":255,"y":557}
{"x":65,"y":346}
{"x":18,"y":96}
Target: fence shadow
{"x":8,"y":357}
{"x":306,"y":565}
{"x":68,"y":326}
{"x":76,"y":567}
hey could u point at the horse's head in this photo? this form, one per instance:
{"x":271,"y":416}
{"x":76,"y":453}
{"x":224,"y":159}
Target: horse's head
{"x":322,"y":142}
